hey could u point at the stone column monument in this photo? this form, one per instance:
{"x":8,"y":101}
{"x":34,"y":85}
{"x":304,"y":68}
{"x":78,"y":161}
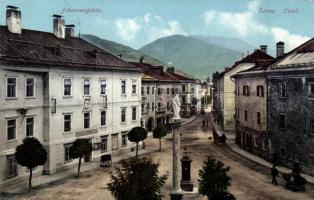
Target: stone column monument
{"x":176,"y":193}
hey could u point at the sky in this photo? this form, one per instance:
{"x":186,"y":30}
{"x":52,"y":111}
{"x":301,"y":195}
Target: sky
{"x":138,"y":22}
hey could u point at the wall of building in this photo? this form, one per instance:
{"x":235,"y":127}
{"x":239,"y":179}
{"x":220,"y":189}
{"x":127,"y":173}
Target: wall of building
{"x":9,"y":109}
{"x":252,"y":103}
{"x":228,"y":98}
{"x":295,"y":142}
{"x":149,"y":103}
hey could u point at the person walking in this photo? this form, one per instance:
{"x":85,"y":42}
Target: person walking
{"x":203,"y":122}
{"x":207,"y":122}
{"x":274,"y":174}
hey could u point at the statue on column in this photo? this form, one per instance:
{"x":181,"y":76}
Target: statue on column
{"x":176,"y":104}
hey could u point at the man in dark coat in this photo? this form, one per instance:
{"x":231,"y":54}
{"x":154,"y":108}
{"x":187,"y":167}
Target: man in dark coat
{"x":274,"y":174}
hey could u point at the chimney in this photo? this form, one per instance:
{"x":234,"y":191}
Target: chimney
{"x":280,"y":49}
{"x":170,"y":70}
{"x":58,"y":26}
{"x":141,"y":59}
{"x":70,"y":30}
{"x":264,"y":48}
{"x":13,"y":19}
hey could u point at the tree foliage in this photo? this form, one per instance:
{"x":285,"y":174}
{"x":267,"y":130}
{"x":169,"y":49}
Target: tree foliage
{"x":30,"y":154}
{"x":136,"y":135}
{"x":160,"y":132}
{"x":214,"y":181}
{"x":137,"y":179}
{"x":80,"y":148}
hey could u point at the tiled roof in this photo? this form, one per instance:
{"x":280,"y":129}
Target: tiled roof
{"x":156,"y":71}
{"x":255,"y":57}
{"x":44,"y":48}
{"x":182,"y":78}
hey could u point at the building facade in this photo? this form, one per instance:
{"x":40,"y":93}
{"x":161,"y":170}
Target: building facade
{"x":224,"y":91}
{"x":291,"y":107}
{"x":57,"y":88}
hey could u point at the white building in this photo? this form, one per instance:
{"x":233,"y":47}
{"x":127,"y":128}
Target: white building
{"x":57,"y":88}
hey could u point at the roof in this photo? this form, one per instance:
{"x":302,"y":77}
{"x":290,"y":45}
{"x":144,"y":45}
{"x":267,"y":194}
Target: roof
{"x":182,"y":78}
{"x":156,"y":72}
{"x":43,"y":48}
{"x":256,"y":56}
{"x":301,"y":58}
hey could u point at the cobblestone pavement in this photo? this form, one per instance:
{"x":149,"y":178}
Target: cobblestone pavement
{"x":249,"y":180}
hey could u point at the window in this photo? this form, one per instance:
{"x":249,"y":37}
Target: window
{"x":245,"y":115}
{"x":159,"y":91}
{"x":103,"y":86}
{"x":67,"y":122}
{"x":283,"y":90}
{"x":282,"y":121}
{"x":67,"y":157}
{"x":260,"y":91}
{"x":183,"y":88}
{"x":148,"y":106}
{"x":168,"y":91}
{"x":30,"y":87}
{"x":11,"y":129}
{"x":11,"y":87}
{"x":143,"y":107}
{"x":87,"y":120}
{"x":124,"y":139}
{"x":238,"y":113}
{"x":133,"y":87}
{"x":311,"y":160}
{"x":256,"y":141}
{"x":258,"y":118}
{"x":104,"y":144}
{"x":142,"y":90}
{"x":168,"y":105}
{"x":12,"y":166}
{"x":134,"y":110}
{"x":282,"y":152}
{"x":312,"y":126}
{"x":30,"y":127}
{"x":153,"y":90}
{"x":86,"y":87}
{"x":103,"y":118}
{"x":123,"y":113}
{"x":147,"y":90}
{"x":172,"y":90}
{"x":153,"y":106}
{"x":115,"y":144}
{"x":159,"y":106}
{"x":238,"y":90}
{"x":246,"y":90}
{"x":311,"y":90}
{"x":123,"y":83}
{"x":67,"y":87}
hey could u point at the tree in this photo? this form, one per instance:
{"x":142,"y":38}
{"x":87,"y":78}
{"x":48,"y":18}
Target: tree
{"x":136,"y":135}
{"x":137,"y":179}
{"x":80,"y":148}
{"x":30,"y":154}
{"x":214,"y":181}
{"x":160,"y":132}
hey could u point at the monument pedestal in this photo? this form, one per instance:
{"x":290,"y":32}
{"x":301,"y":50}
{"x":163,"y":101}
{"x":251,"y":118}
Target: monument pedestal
{"x":176,"y":196}
{"x":186,"y":183}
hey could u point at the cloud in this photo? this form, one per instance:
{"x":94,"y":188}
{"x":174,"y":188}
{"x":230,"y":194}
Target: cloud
{"x":245,"y":24}
{"x":127,"y":29}
{"x":291,"y":40}
{"x":148,"y":26}
{"x":173,"y":27}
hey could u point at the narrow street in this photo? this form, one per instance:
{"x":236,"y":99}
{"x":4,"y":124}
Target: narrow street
{"x":249,"y":181}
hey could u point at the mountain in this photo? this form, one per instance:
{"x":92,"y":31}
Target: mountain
{"x":128,"y":53}
{"x":191,"y":55}
{"x":228,"y":43}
